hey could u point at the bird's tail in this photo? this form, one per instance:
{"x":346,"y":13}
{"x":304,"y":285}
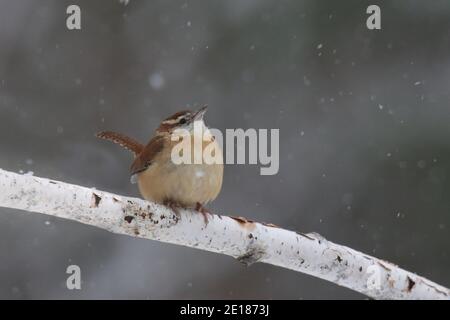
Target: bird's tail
{"x":122,"y":140}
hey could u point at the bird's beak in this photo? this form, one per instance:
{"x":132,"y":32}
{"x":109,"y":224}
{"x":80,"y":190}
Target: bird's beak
{"x":198,"y":115}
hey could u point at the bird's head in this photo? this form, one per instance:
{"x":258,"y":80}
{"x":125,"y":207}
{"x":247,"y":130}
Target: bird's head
{"x":181,"y":120}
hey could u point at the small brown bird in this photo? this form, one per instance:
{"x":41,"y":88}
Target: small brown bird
{"x":159,"y":178}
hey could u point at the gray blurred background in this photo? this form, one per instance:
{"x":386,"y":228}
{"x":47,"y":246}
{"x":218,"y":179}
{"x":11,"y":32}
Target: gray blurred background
{"x":363,"y":117}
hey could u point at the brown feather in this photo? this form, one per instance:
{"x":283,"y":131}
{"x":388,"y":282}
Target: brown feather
{"x":176,"y":115}
{"x":166,"y":125}
{"x":145,"y":158}
{"x":122,"y":140}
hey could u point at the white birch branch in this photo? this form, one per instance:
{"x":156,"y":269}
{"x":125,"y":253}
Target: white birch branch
{"x":247,"y":241}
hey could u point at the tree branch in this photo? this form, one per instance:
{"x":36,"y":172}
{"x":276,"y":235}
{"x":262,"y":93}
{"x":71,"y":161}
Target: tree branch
{"x":245,"y":240}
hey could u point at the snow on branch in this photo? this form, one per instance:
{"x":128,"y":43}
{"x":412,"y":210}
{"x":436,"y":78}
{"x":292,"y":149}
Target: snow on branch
{"x":245,"y":240}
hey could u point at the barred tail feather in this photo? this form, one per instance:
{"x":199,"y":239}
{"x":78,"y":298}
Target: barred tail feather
{"x":122,"y":140}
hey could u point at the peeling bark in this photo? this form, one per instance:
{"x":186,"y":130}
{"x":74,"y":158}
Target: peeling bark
{"x":243,"y":239}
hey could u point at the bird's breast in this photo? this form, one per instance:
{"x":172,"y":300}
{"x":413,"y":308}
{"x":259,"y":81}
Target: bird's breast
{"x":185,"y":184}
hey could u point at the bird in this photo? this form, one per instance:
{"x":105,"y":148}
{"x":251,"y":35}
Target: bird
{"x":159,"y":179}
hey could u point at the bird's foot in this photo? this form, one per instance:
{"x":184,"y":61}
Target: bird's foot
{"x":204,"y":211}
{"x":173,"y":206}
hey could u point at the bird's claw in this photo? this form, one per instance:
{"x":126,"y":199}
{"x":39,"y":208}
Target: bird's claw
{"x":200,"y":208}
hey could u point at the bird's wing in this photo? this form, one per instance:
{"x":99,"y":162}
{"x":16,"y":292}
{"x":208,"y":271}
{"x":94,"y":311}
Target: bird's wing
{"x":144,"y":159}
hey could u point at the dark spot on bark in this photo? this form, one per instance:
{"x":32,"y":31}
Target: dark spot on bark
{"x":411,"y":284}
{"x":304,"y":235}
{"x":163,"y":216}
{"x":384,"y":266}
{"x":250,"y":236}
{"x":360,"y":269}
{"x":115,"y":199}
{"x":269,"y":225}
{"x":128,"y":219}
{"x":96,"y":200}
{"x":251,"y":256}
{"x":52,"y":182}
{"x":339,"y":259}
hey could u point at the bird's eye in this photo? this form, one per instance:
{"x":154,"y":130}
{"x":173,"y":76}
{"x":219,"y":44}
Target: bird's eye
{"x":182,"y":121}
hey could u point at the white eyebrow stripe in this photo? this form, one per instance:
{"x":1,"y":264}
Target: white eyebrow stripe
{"x":170,"y":121}
{"x":173,"y":121}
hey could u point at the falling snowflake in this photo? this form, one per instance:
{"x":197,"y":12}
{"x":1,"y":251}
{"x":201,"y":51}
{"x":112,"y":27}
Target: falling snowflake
{"x":156,"y":81}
